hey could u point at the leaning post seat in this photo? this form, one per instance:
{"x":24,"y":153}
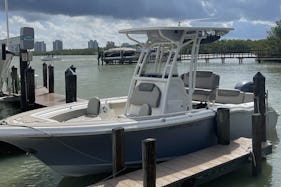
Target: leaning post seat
{"x":144,"y":97}
{"x":93,"y":108}
{"x":233,"y":96}
{"x":206,"y":85}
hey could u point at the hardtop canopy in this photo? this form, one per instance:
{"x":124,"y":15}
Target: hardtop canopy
{"x":177,"y":35}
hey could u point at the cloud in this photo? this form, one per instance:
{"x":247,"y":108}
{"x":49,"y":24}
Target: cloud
{"x":161,"y":9}
{"x":76,"y":22}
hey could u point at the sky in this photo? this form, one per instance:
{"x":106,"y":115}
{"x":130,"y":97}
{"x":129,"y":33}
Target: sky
{"x":75,"y":22}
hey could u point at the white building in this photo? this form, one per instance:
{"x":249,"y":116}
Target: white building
{"x":40,"y":46}
{"x":93,"y":44}
{"x":57,"y":45}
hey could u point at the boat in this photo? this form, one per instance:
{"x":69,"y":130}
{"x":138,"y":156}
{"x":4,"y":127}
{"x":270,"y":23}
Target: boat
{"x":179,"y":111}
{"x":120,"y":55}
{"x":50,"y":58}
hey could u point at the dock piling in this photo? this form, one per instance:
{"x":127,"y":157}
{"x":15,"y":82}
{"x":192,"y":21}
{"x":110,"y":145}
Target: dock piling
{"x":70,"y":85}
{"x":257,"y":125}
{"x":51,"y":79}
{"x":30,"y":87}
{"x":149,"y":162}
{"x":15,"y":80}
{"x":45,"y":75}
{"x":23,"y":67}
{"x":3,"y":51}
{"x":259,"y":100}
{"x":223,"y":126}
{"x":118,"y":150}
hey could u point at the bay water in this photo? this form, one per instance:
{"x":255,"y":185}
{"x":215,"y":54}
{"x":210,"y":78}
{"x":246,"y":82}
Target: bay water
{"x":113,"y":80}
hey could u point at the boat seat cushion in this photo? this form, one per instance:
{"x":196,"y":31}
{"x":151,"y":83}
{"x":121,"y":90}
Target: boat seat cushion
{"x":232,"y":96}
{"x":145,"y":110}
{"x":205,"y":86}
{"x":146,"y":93}
{"x":93,"y":108}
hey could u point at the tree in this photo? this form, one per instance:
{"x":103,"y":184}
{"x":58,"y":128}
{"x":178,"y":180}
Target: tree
{"x":110,"y":44}
{"x":274,"y":37}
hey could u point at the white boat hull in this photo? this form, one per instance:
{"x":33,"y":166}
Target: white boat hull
{"x":84,"y":147}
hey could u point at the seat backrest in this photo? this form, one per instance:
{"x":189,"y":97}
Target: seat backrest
{"x":93,"y":108}
{"x":231,"y":96}
{"x":205,"y":86}
{"x":146,"y":93}
{"x":145,"y":110}
{"x":204,"y":79}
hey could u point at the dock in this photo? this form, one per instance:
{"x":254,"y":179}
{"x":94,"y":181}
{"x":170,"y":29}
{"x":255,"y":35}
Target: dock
{"x":195,"y":168}
{"x":258,"y":55}
{"x":44,"y":98}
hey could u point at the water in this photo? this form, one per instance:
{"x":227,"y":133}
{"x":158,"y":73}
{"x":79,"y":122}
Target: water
{"x":114,"y":80}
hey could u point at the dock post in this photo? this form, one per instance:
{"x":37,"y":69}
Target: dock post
{"x":240,"y":59}
{"x":70,"y":85}
{"x":257,"y":143}
{"x":223,"y":126}
{"x":23,"y":67}
{"x":15,"y":80}
{"x":149,"y":162}
{"x":259,"y":100}
{"x":45,"y":75}
{"x":223,"y":60}
{"x":3,"y":51}
{"x":30,"y":87}
{"x":118,"y":150}
{"x":51,"y":79}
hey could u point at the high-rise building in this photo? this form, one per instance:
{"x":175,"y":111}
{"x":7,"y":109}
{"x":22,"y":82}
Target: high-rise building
{"x":93,"y":44}
{"x":57,"y":45}
{"x":40,"y":46}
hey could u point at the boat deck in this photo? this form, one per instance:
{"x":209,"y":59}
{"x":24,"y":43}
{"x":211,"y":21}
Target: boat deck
{"x":205,"y":164}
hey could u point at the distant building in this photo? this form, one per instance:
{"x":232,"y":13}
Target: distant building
{"x":93,"y":44}
{"x":40,"y":46}
{"x":57,"y":45}
{"x":14,"y":43}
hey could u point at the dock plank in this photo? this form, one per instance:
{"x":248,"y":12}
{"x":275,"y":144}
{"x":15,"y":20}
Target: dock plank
{"x":44,"y":98}
{"x":190,"y":165}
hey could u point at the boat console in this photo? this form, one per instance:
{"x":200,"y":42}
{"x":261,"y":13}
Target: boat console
{"x":157,"y":68}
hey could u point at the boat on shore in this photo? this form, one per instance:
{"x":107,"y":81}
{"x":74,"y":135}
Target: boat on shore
{"x":120,"y":55}
{"x":178,"y":110}
{"x":50,"y":58}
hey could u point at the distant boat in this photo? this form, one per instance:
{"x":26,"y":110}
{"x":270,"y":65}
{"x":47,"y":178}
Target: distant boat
{"x":50,"y":58}
{"x":120,"y":55}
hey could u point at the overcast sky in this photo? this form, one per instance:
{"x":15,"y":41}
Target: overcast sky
{"x":77,"y":21}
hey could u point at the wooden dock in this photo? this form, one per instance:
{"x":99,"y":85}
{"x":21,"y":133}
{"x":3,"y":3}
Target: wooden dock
{"x":44,"y":98}
{"x":194,"y":168}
